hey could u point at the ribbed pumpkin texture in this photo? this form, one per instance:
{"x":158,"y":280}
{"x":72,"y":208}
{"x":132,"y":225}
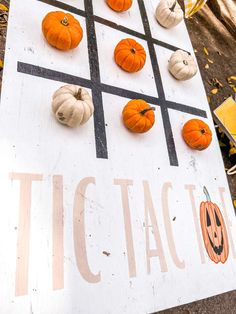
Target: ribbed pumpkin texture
{"x":138,"y":116}
{"x":119,"y":5}
{"x":130,"y":55}
{"x":62,"y":30}
{"x":197,"y":134}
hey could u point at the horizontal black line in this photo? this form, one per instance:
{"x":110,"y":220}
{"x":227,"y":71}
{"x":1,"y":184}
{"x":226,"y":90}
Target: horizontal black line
{"x":38,"y":71}
{"x":69,"y":8}
{"x":187,"y":109}
{"x":64,"y":6}
{"x":165,"y":45}
{"x":119,"y":27}
{"x":35,"y":70}
{"x":129,"y":94}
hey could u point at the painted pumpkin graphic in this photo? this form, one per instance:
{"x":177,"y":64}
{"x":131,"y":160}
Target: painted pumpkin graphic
{"x":213,"y":230}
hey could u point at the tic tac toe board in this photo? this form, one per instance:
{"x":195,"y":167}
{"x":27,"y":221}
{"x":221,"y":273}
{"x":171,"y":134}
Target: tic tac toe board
{"x":96,"y":219}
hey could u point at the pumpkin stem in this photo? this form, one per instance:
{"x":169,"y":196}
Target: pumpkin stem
{"x":146,"y":110}
{"x":203,"y":131}
{"x":173,"y":6}
{"x":207,"y":194}
{"x":133,"y":51}
{"x":78,"y":96}
{"x":185,"y":62}
{"x":65,"y":21}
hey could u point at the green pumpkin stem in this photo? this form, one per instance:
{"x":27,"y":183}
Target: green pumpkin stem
{"x":173,"y":6}
{"x":65,"y":21}
{"x":207,"y":194}
{"x":146,"y":110}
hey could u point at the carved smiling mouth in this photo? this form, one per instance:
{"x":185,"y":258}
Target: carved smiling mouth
{"x":217,"y":249}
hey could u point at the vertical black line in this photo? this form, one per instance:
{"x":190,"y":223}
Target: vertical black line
{"x":159,"y":86}
{"x":151,"y":48}
{"x":99,"y":121}
{"x":169,"y":137}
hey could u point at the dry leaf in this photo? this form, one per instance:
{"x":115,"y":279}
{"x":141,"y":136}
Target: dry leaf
{"x":1,"y":64}
{"x":231,"y":78}
{"x":217,"y":83}
{"x":3,"y":7}
{"x":210,"y":61}
{"x":195,"y":50}
{"x":233,"y":87}
{"x":3,"y":19}
{"x":207,"y":66}
{"x":206,"y":51}
{"x":214,"y":91}
{"x":208,"y":99}
{"x":235,"y":203}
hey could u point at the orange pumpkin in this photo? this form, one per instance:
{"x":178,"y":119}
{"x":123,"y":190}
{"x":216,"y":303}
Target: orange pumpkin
{"x":197,"y":134}
{"x":62,"y":30}
{"x":130,"y":55}
{"x":119,"y":5}
{"x":138,"y":116}
{"x":213,"y":231}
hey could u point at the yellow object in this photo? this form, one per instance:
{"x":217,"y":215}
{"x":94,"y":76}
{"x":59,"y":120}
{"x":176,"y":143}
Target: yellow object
{"x":231,"y":78}
{"x":3,"y":7}
{"x":192,"y":6}
{"x":226,"y":115}
{"x":206,"y":51}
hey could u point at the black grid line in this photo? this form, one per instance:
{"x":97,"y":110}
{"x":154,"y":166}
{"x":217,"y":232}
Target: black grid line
{"x":49,"y":74}
{"x":99,"y":120}
{"x":97,"y":87}
{"x":159,"y":86}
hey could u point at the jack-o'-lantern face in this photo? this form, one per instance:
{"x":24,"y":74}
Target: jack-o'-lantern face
{"x":214,"y":231}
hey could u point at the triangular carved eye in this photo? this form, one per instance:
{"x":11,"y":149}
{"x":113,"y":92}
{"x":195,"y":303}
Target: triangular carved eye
{"x":208,"y":219}
{"x":217,"y":220}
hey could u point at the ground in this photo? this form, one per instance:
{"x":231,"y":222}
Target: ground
{"x":212,"y":32}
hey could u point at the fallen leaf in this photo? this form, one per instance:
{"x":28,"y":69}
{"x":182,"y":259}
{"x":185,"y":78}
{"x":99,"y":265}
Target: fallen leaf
{"x":195,"y":50}
{"x":214,"y":91}
{"x":106,"y":253}
{"x":231,"y":78}
{"x":217,"y":83}
{"x":207,"y":66}
{"x":210,"y":61}
{"x":3,"y":19}
{"x":234,"y":203}
{"x":3,"y":7}
{"x":1,"y":64}
{"x":206,"y":51}
{"x":222,"y":144}
{"x":208,"y":99}
{"x":233,"y":87}
{"x":232,"y":151}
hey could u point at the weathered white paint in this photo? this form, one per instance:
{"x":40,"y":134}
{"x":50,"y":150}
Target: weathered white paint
{"x":128,"y":202}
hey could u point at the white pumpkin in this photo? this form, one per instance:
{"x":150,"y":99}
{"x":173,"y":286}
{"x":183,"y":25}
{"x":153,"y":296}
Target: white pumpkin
{"x":182,"y":65}
{"x":72,"y":105}
{"x":169,"y":13}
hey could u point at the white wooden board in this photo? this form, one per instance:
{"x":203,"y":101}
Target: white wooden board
{"x":96,"y":219}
